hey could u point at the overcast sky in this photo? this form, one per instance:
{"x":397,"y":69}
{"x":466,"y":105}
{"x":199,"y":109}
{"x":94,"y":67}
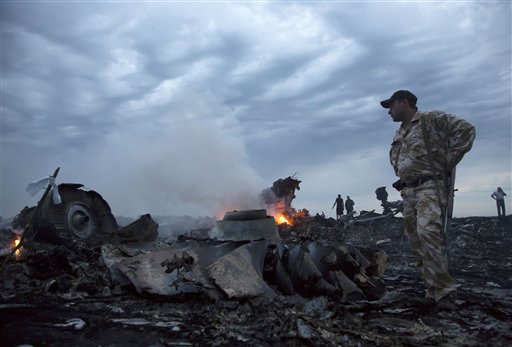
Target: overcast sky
{"x":195,"y":107}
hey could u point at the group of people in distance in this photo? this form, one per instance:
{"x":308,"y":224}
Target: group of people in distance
{"x":340,"y":206}
{"x":498,"y":195}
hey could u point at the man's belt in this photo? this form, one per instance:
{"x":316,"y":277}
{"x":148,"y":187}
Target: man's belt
{"x":421,"y":180}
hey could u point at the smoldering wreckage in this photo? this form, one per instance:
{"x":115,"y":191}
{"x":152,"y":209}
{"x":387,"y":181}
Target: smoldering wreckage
{"x":78,"y":278}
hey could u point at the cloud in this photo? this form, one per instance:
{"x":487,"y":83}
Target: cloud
{"x":173,"y":108}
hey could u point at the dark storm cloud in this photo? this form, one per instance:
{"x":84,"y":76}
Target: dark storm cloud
{"x":193,"y":108}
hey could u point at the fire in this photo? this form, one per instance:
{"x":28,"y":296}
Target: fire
{"x":18,"y":251}
{"x":281,"y":219}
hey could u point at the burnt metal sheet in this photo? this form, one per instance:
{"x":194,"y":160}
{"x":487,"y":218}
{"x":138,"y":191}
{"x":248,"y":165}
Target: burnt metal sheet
{"x":307,"y":278}
{"x":245,"y":225}
{"x":317,"y":269}
{"x":281,"y":276}
{"x":146,"y":273}
{"x":232,"y":269}
{"x":143,"y":229}
{"x":235,"y":269}
{"x":149,"y":271}
{"x":239,"y":273}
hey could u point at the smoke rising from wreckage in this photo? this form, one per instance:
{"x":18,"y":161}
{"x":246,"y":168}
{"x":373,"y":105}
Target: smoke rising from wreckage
{"x":316,"y":281}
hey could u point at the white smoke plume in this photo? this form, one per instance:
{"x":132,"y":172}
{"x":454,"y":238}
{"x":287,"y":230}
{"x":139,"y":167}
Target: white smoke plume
{"x":190,"y":161}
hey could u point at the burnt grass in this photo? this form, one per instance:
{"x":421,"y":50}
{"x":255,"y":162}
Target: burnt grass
{"x":41,"y":295}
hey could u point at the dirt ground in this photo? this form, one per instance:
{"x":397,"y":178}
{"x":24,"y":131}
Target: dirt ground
{"x":38,"y":308}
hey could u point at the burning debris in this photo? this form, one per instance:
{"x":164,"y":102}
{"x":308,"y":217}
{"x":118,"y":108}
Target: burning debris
{"x":279,"y":197}
{"x":236,"y":249}
{"x":244,"y":257}
{"x":248,"y":279}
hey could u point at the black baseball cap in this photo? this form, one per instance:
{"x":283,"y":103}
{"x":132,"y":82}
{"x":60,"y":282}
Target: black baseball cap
{"x":399,"y":94}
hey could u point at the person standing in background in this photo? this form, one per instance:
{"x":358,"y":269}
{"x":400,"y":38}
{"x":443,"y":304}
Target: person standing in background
{"x":339,"y":206}
{"x":499,"y":195}
{"x":349,"y":205}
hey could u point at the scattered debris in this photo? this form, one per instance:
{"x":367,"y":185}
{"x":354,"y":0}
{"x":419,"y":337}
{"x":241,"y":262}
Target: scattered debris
{"x":330,"y":283}
{"x":74,"y":323}
{"x":236,"y":269}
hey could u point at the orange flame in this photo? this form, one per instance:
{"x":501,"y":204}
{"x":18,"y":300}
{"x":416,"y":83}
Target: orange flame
{"x":18,"y":251}
{"x":281,"y":219}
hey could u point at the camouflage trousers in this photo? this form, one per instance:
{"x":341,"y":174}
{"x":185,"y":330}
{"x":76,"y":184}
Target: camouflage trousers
{"x":423,"y":219}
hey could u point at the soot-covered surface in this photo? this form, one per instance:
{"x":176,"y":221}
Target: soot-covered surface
{"x":63,"y":297}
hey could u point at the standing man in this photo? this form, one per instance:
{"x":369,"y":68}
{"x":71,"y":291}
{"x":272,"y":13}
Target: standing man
{"x":349,"y":205}
{"x":499,"y":195}
{"x":425,"y":149}
{"x":339,"y":206}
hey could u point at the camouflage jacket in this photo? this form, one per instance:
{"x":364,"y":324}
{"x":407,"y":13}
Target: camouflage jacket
{"x":450,"y":138}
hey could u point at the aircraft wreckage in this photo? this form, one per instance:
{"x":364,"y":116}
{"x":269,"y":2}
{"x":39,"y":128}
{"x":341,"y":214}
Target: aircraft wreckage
{"x":241,"y":256}
{"x":244,"y":279}
{"x":248,"y":266}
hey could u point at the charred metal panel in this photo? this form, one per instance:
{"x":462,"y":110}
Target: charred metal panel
{"x":240,"y":272}
{"x":229,"y":269}
{"x":316,"y":269}
{"x":241,"y":225}
{"x":143,"y":229}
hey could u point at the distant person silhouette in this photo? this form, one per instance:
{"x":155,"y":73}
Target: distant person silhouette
{"x":499,"y":195}
{"x":349,"y":205}
{"x":339,"y":206}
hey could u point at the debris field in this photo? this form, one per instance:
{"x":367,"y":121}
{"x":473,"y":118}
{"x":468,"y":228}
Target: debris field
{"x":150,"y":292}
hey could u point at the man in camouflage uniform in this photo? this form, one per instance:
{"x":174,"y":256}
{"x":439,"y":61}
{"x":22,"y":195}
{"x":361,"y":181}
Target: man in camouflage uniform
{"x":422,"y":166}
